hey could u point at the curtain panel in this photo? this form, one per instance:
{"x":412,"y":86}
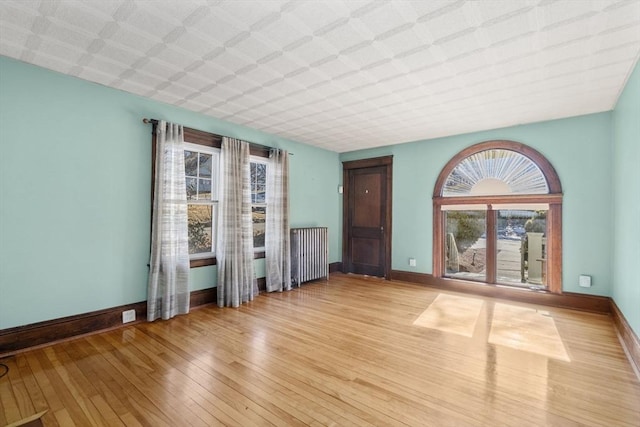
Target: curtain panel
{"x":168,"y":287}
{"x":277,"y":240}
{"x":236,"y":278}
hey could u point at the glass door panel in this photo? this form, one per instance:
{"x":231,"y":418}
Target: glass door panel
{"x":521,"y":247}
{"x":465,"y":244}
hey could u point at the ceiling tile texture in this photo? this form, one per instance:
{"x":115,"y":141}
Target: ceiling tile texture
{"x":342,"y":75}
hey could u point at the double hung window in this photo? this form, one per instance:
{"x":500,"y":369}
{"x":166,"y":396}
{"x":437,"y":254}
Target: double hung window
{"x":258,"y":201}
{"x":201,"y":175}
{"x":202,"y":169}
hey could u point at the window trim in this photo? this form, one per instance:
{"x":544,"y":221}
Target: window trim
{"x":554,"y":215}
{"x":208,"y":139}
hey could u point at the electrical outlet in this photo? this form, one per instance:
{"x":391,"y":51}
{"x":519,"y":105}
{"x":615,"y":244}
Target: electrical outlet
{"x":412,"y":262}
{"x":128,"y":316}
{"x":584,"y":281}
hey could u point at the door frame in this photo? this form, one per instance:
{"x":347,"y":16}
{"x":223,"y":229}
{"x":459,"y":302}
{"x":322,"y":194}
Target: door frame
{"x":387,"y":163}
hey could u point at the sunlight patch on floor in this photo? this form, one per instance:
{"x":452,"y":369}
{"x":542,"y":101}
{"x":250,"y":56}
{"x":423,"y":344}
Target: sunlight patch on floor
{"x":528,"y":330}
{"x":449,"y":313}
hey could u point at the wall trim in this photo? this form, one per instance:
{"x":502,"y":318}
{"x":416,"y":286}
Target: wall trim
{"x":203,"y":297}
{"x":37,"y":334}
{"x":21,"y":338}
{"x":262,"y":284}
{"x":593,"y":303}
{"x":629,"y":340}
{"x":335,"y":267}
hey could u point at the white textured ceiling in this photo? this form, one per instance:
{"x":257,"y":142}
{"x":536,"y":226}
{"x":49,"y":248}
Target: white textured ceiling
{"x":342,"y":75}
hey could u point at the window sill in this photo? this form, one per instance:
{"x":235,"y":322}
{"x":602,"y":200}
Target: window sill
{"x":203,"y":262}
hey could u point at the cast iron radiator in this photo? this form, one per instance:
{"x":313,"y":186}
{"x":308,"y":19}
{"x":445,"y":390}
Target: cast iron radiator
{"x":309,"y":254}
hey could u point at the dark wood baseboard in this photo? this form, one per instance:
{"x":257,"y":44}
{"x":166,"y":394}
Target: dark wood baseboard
{"x":36,"y":334}
{"x":628,"y":337}
{"x":20,"y":338}
{"x":574,"y":301}
{"x":203,"y":297}
{"x":334,"y":267}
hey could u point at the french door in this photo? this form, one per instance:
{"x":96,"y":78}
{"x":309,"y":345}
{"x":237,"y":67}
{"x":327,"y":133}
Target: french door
{"x":506,"y":246}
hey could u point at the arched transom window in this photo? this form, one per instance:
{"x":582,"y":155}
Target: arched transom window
{"x":497,"y":217}
{"x":495,"y":172}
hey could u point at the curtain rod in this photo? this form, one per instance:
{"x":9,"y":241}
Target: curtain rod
{"x":155,"y":122}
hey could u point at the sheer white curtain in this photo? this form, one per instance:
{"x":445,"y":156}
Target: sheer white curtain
{"x":236,"y":277}
{"x":168,"y":288}
{"x":277,"y":242}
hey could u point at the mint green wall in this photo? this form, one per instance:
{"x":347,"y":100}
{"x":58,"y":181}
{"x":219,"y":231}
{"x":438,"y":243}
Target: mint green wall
{"x":75,"y":177}
{"x":75,"y":193}
{"x":626,"y":201}
{"x":580,"y":150}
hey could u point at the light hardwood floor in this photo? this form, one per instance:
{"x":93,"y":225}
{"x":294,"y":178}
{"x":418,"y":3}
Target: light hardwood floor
{"x":342,"y":352}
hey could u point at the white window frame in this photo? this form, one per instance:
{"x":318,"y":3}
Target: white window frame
{"x":215,"y":180}
{"x":264,"y":161}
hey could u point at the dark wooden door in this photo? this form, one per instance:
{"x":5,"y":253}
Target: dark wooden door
{"x":367,"y":217}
